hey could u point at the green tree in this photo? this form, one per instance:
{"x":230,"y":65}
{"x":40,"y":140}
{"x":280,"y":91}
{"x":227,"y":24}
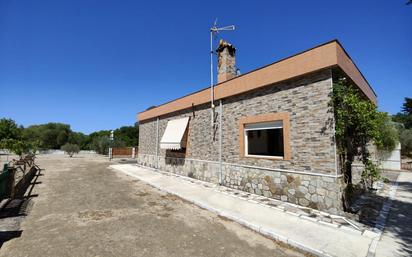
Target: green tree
{"x":9,"y":129}
{"x":101,"y":144}
{"x":404,"y":119}
{"x":128,"y":134}
{"x":51,"y":135}
{"x":359,"y":123}
{"x":387,"y":136}
{"x":79,"y":139}
{"x":16,"y":146}
{"x":70,"y":149}
{"x":405,"y":115}
{"x":405,"y":137}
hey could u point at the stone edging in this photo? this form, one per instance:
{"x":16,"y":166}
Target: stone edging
{"x":381,"y":219}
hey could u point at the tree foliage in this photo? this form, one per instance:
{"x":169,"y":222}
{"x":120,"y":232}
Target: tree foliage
{"x":102,"y":144}
{"x":70,"y":149}
{"x":9,"y":129}
{"x":19,"y":147}
{"x":405,"y":137}
{"x":404,"y":118}
{"x":358,"y":124}
{"x":55,"y":135}
{"x":51,"y":135}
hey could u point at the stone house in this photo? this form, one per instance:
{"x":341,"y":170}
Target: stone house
{"x":268,"y":132}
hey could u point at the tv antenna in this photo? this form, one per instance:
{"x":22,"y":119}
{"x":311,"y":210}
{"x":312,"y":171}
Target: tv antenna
{"x":213,"y":32}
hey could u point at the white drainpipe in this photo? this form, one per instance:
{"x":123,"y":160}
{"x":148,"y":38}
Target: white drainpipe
{"x":157,"y":143}
{"x":220,"y":142}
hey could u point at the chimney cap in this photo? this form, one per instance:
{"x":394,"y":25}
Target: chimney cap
{"x":224,"y":44}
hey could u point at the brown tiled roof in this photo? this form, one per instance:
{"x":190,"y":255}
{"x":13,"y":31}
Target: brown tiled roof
{"x":330,"y":54}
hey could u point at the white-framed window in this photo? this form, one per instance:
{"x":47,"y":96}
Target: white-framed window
{"x":264,"y":139}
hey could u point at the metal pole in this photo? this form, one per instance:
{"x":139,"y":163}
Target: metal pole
{"x":111,"y":145}
{"x":220,"y":140}
{"x":212,"y":96}
{"x":157,"y":143}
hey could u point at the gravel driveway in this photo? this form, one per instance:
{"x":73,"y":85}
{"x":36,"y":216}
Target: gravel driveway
{"x":82,"y":208}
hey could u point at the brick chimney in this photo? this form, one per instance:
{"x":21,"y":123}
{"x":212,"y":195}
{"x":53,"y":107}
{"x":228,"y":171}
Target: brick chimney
{"x":226,"y":61}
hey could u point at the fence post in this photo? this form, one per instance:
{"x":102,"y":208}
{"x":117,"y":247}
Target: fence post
{"x":134,"y":152}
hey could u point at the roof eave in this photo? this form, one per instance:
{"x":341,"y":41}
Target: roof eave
{"x":330,"y":54}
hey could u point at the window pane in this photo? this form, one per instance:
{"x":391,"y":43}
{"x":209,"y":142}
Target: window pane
{"x":267,"y":142}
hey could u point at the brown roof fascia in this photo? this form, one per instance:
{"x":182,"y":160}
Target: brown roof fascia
{"x":320,"y":57}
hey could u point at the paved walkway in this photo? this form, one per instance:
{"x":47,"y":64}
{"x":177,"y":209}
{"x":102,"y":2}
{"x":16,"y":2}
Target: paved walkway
{"x":317,"y":238}
{"x":397,"y":237}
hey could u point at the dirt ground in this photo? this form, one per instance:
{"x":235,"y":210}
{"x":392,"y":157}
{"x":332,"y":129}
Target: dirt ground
{"x":80,"y":207}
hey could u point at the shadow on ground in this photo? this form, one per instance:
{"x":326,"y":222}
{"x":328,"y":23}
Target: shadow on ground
{"x":15,"y":209}
{"x":399,"y":220}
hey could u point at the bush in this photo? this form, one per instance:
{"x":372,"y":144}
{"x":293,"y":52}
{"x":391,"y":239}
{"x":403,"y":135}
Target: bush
{"x":16,"y":146}
{"x":405,"y":137}
{"x":387,"y":137}
{"x":101,"y":144}
{"x":70,"y":149}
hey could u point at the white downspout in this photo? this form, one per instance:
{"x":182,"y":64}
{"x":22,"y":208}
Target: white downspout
{"x":157,"y":143}
{"x":220,"y":142}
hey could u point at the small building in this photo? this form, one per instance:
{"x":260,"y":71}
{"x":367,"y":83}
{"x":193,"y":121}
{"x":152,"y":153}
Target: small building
{"x":269,"y":132}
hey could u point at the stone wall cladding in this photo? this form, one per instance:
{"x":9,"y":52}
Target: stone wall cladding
{"x":318,"y":192}
{"x":311,"y":139}
{"x":311,"y":123}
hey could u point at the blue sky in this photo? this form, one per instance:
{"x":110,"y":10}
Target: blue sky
{"x":95,"y":64}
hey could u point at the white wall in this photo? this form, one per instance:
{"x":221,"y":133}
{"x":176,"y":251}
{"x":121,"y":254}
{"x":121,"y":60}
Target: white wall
{"x":390,"y":160}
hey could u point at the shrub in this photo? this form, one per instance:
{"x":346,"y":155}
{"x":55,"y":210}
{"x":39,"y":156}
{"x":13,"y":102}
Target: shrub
{"x":70,"y":149}
{"x":16,"y":146}
{"x":101,"y":144}
{"x":405,"y":138}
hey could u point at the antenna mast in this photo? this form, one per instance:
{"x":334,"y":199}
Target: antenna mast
{"x":213,"y":31}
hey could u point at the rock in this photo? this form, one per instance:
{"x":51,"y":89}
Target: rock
{"x":333,"y":195}
{"x":303,"y":189}
{"x":314,"y":198}
{"x":268,"y":179}
{"x":312,"y":189}
{"x":303,"y":202}
{"x":328,"y":202}
{"x":272,"y":188}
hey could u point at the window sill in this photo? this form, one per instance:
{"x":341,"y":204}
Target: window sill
{"x":265,"y":157}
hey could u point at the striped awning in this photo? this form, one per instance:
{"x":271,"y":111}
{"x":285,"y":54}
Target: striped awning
{"x":173,"y":136}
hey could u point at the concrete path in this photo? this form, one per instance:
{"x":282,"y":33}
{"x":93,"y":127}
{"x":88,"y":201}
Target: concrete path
{"x":397,"y":237}
{"x":311,"y":236}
